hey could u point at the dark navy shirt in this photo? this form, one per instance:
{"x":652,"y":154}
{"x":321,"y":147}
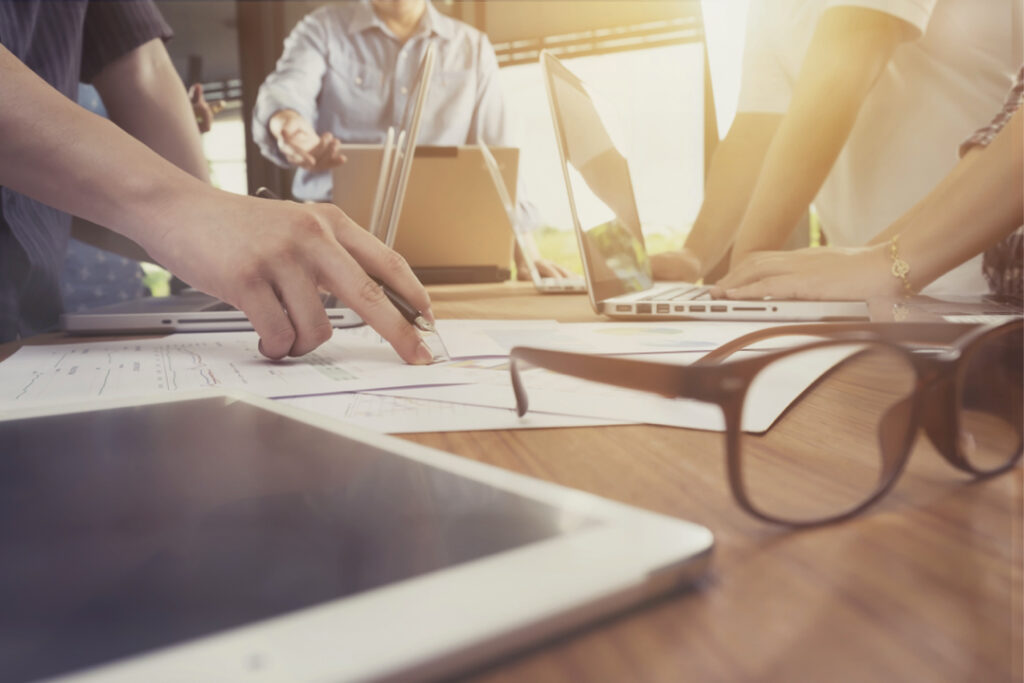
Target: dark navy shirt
{"x":64,"y":42}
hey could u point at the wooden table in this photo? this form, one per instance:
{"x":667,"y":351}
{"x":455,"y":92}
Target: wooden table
{"x":925,"y":586}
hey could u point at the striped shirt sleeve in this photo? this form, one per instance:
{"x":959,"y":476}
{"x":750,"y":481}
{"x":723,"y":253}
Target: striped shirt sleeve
{"x":113,"y":28}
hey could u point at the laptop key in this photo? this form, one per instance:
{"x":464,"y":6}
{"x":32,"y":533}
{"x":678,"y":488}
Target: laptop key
{"x":684,"y":293}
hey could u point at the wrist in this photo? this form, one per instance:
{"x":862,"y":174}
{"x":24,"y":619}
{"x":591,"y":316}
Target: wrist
{"x":180,"y":214}
{"x":899,"y":268}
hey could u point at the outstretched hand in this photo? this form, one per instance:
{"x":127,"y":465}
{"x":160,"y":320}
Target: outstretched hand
{"x":302,"y":146}
{"x":271,"y":258}
{"x":814,"y":273}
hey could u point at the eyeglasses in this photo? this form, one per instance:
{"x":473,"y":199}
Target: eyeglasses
{"x":843,"y":442}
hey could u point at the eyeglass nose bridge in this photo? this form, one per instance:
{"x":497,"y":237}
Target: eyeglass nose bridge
{"x":897,"y":430}
{"x":940,"y":420}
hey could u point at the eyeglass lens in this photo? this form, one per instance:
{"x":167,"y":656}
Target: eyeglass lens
{"x":989,"y":401}
{"x":836,"y":445}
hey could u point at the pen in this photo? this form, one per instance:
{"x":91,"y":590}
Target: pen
{"x":407,"y":310}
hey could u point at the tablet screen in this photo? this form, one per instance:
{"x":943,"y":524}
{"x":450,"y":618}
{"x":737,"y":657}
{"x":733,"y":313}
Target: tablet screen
{"x":127,"y":530}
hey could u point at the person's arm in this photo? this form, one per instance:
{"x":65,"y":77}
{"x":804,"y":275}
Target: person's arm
{"x":300,"y":144}
{"x":850,"y":48}
{"x":286,"y":106}
{"x":203,"y":110}
{"x":268,"y":258}
{"x":979,"y":202}
{"x":144,"y":95}
{"x":731,"y":179}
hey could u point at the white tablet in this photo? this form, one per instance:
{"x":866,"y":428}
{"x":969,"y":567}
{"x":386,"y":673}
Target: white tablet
{"x":220,"y":536}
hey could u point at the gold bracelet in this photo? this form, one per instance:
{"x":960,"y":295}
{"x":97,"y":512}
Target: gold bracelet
{"x":900,"y":268}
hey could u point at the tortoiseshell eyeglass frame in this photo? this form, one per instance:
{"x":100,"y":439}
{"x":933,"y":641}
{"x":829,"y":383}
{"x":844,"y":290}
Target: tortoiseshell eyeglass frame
{"x":937,"y":352}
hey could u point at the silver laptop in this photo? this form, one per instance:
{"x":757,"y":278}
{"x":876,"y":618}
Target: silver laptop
{"x":607,"y":223}
{"x":191,"y":311}
{"x":527,"y":246}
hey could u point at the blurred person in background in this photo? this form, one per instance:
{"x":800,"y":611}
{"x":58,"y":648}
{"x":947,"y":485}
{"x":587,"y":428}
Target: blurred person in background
{"x":856,"y":106}
{"x":346,"y":74}
{"x":978,"y":207}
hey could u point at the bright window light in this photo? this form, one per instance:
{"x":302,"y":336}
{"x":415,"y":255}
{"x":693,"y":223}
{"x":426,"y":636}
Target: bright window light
{"x":654,"y":99}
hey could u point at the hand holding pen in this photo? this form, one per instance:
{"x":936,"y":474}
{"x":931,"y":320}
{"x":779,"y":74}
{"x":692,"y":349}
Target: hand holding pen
{"x":420,"y":320}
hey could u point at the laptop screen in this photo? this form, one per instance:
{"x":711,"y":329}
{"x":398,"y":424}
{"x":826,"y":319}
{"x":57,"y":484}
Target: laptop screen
{"x":600,"y":190}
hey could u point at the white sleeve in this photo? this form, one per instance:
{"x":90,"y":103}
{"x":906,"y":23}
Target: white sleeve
{"x":765,"y":87}
{"x":917,"y":13}
{"x":294,"y":84}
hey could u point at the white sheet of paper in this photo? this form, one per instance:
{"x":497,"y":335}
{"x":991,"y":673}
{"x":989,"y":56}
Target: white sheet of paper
{"x":401,"y":415}
{"x":354,"y":359}
{"x":550,"y":392}
{"x":480,"y":338}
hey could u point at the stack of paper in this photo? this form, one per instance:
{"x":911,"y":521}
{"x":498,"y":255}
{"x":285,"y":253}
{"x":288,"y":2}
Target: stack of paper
{"x":358,"y":378}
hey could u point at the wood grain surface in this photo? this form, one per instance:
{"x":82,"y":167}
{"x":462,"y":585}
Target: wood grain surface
{"x":924,"y":586}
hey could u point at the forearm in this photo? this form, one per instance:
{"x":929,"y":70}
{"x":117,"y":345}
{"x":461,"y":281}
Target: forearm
{"x":294,"y":85}
{"x":55,"y":151}
{"x":145,"y":97}
{"x":977,"y":204}
{"x":734,"y":170}
{"x":847,"y":54}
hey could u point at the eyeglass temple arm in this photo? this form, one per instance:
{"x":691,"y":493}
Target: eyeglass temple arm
{"x":660,"y":378}
{"x":939,"y":333}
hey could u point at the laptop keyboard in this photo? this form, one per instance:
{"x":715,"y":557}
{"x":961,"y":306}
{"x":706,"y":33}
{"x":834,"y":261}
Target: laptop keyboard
{"x":681,"y":293}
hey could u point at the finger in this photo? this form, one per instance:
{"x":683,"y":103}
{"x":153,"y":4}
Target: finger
{"x":296,"y":125}
{"x":781,"y":287}
{"x":756,"y":267}
{"x":300,"y":138}
{"x":261,"y":306}
{"x":343,"y":277}
{"x":321,"y":152}
{"x":337,"y":154}
{"x":322,"y":146}
{"x":331,"y":155}
{"x":377,"y":260}
{"x":295,"y":155}
{"x":195,"y":93}
{"x":299,"y":159}
{"x":301,"y":298}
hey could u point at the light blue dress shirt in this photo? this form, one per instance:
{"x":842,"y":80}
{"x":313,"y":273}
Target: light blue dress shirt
{"x":348,"y":74}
